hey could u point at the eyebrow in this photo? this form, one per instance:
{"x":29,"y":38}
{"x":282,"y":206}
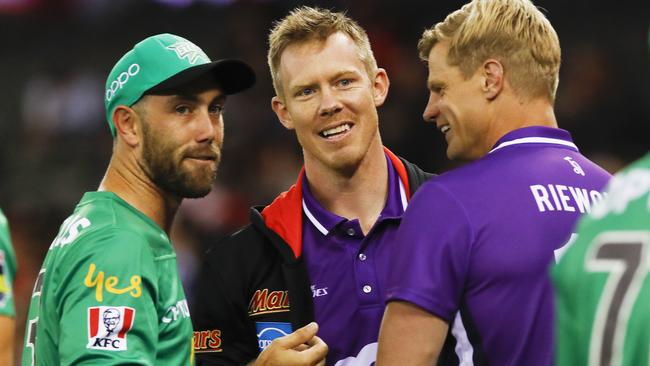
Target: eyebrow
{"x":432,"y":84}
{"x":183,"y":98}
{"x":296,"y":88}
{"x":338,"y":75}
{"x":194,"y":98}
{"x":221,"y":98}
{"x":344,"y":72}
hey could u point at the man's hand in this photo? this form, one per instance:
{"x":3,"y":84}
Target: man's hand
{"x":300,"y":348}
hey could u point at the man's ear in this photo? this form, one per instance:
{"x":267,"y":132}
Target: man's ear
{"x":281,"y":111}
{"x":126,"y":126}
{"x":381,"y":83}
{"x":492,"y":78}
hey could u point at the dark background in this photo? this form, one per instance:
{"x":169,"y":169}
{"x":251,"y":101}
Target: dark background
{"x":55,"y":144}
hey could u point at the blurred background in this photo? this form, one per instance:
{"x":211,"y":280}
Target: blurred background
{"x":55,"y":143}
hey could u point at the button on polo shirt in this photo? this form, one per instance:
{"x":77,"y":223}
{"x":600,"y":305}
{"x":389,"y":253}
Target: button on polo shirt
{"x":351,"y":267}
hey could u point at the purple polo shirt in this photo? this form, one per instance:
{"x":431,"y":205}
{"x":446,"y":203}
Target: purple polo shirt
{"x":348,"y":273}
{"x":475,"y":245}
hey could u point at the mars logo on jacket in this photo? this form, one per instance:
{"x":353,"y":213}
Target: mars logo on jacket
{"x":265,"y":301}
{"x":268,"y":331}
{"x":107,"y":327}
{"x":206,"y":341}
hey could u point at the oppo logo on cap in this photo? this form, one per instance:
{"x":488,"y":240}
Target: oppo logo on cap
{"x":121,"y":80}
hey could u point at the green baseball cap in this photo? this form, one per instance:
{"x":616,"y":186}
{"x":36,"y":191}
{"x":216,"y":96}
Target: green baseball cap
{"x":163,"y":62}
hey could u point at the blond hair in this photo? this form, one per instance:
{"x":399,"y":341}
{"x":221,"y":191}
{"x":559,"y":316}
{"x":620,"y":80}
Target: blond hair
{"x":514,"y":32}
{"x":305,"y":24}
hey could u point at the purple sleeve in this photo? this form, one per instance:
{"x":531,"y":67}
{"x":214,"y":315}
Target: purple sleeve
{"x":431,"y":253}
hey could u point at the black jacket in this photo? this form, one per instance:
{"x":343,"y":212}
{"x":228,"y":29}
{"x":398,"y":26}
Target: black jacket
{"x":258,"y":275}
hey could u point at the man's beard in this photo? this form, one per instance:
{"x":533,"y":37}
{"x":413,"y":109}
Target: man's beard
{"x":166,"y":169}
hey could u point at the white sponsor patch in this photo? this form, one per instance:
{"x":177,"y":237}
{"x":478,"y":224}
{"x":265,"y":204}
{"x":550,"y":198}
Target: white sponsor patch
{"x":108,"y":327}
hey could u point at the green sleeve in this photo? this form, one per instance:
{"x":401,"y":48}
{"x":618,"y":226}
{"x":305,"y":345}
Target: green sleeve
{"x":7,"y":270}
{"x":573,"y":303}
{"x":566,"y":342}
{"x":106,"y":301}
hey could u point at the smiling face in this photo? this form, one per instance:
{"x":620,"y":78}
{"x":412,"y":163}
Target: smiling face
{"x":182,"y":140}
{"x":330,"y":101}
{"x":457,"y":106}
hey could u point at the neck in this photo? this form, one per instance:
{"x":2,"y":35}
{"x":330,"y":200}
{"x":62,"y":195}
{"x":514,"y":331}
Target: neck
{"x":357,"y":194}
{"x":126,"y":179}
{"x":513,"y":113}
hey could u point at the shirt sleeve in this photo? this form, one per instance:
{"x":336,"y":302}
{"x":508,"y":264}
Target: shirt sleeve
{"x":7,"y":270}
{"x":105,"y":299}
{"x":432,"y":253}
{"x":219,"y":313}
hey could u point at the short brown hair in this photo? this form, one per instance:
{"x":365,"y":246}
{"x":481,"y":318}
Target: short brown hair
{"x":306,"y":24}
{"x":513,"y":31}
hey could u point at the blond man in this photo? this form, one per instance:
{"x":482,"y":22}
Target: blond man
{"x":318,"y":252}
{"x":469,"y":281}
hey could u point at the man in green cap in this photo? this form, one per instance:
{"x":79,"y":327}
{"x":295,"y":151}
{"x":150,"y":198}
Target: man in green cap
{"x":109,"y":290}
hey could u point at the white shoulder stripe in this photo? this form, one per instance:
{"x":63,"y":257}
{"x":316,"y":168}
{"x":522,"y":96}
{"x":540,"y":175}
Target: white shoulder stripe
{"x":313,"y":220}
{"x":535,"y":140}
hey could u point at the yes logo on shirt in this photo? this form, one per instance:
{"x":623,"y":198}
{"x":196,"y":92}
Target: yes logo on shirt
{"x":108,"y":326}
{"x":268,"y":331}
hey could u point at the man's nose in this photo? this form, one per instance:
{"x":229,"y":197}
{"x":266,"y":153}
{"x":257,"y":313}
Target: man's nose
{"x":432,"y":110}
{"x":329,"y":103}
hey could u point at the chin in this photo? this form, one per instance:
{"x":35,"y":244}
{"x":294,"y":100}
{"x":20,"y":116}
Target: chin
{"x":194,"y":187}
{"x":347,"y":163}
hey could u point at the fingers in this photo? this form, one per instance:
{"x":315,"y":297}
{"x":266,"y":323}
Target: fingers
{"x":300,"y":336}
{"x":317,"y":350}
{"x":300,"y":348}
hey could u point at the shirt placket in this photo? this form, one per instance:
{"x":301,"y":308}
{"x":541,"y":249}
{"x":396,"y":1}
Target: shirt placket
{"x":366,"y":285}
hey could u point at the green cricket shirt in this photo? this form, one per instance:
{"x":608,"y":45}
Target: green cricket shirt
{"x":108,"y":292}
{"x":602,"y":286}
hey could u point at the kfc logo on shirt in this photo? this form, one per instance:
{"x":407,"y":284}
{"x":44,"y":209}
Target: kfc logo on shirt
{"x":107,"y":327}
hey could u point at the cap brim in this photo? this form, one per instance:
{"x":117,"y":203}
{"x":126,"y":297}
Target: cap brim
{"x":232,"y":76}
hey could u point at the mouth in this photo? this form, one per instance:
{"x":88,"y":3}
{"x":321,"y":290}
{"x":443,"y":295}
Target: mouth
{"x":336,"y":131}
{"x":444,"y":129}
{"x":203,"y":157}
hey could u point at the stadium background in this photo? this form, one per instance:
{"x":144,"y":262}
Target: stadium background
{"x":55,"y":144}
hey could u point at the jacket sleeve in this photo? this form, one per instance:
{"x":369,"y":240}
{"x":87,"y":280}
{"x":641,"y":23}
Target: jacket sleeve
{"x":222,"y":333}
